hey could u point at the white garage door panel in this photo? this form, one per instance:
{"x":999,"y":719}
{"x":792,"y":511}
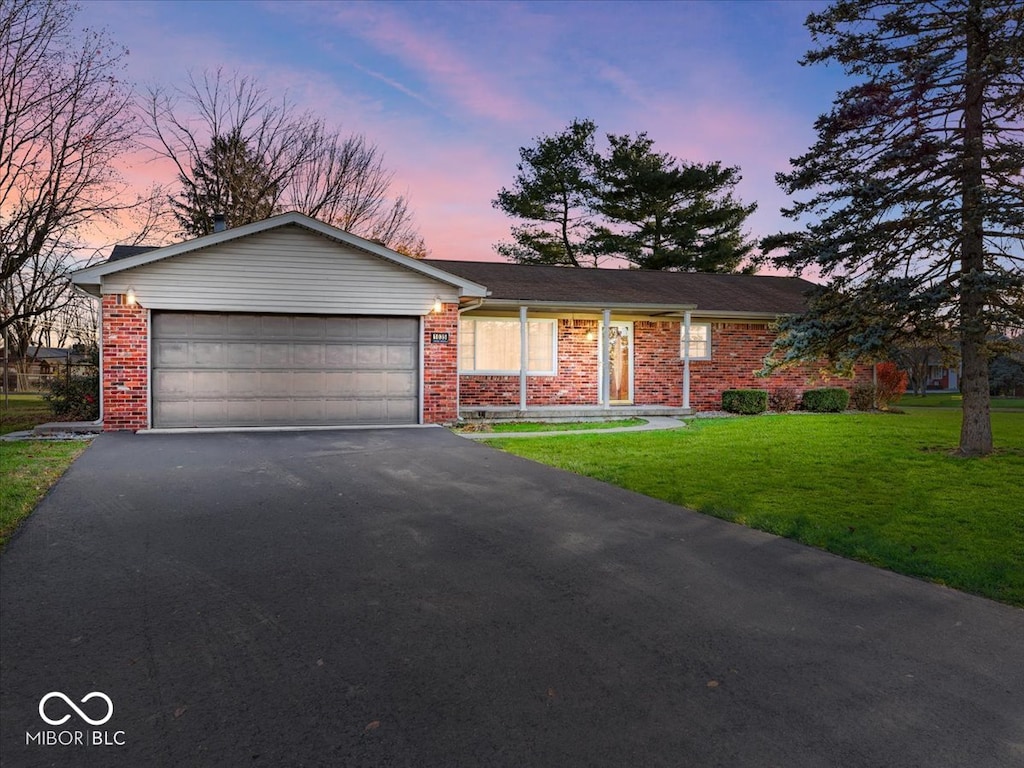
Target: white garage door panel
{"x":227,"y":369}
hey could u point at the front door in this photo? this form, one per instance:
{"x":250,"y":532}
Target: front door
{"x":620,"y":351}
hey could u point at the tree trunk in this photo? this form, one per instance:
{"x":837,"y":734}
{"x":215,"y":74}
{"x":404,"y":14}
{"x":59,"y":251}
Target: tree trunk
{"x":976,"y":428}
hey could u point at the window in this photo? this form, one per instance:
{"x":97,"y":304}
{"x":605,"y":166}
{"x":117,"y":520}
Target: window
{"x":491,"y":345}
{"x":700,"y":340}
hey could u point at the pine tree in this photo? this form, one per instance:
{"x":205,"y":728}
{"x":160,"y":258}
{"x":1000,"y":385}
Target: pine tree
{"x":228,"y":178}
{"x":665,"y":214}
{"x":916,"y":197}
{"x":554,"y":193}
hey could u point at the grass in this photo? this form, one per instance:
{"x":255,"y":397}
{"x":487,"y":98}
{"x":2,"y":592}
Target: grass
{"x":22,"y":412}
{"x":954,"y":400}
{"x":880,"y":488}
{"x":28,"y":468}
{"x":540,"y":426}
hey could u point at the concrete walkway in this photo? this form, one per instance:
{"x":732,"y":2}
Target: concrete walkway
{"x":653,"y":423}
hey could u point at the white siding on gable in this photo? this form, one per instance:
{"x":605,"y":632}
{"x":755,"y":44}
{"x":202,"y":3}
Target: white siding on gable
{"x":290,"y":270}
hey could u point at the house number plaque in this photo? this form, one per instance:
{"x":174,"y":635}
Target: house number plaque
{"x":438,"y":338}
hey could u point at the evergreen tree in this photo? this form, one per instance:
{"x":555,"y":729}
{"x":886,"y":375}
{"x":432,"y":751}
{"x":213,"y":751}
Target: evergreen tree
{"x":651,"y":209}
{"x":554,"y":193}
{"x":916,"y":196}
{"x":665,"y":214}
{"x":227,"y":178}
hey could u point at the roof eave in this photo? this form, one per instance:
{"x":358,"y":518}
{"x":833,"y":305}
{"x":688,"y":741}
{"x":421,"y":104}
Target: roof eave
{"x":588,"y":306}
{"x":663,"y":310}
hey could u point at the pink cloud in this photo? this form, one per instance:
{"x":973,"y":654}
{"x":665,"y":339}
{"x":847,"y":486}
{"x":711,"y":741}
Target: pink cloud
{"x":436,"y":60}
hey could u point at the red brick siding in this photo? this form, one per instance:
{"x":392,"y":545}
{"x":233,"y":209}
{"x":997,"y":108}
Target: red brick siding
{"x":737,"y":351}
{"x":575,"y":382}
{"x":125,"y":365}
{"x":657,"y":369}
{"x":440,"y":367}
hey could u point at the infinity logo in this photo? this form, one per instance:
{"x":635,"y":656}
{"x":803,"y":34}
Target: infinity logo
{"x":79,"y":712}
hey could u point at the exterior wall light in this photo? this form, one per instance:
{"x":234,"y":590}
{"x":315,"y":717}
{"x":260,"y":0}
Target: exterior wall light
{"x":438,"y":306}
{"x":129,"y":297}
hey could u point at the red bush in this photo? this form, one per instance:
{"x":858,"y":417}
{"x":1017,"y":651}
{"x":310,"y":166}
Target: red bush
{"x":892,"y":383}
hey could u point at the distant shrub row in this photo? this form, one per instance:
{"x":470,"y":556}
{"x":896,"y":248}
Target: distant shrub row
{"x":751,"y":401}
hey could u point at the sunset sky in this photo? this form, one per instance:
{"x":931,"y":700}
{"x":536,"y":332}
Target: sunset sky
{"x":449,"y":91}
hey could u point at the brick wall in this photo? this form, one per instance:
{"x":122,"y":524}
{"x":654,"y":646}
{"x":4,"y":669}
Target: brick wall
{"x":657,"y":369}
{"x":125,"y":370}
{"x":737,"y":351}
{"x":440,"y":367}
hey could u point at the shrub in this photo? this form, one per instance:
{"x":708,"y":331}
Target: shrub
{"x":826,"y":400}
{"x":76,"y":398}
{"x":783,"y":400}
{"x":892,"y":383}
{"x":862,"y":398}
{"x":745,"y":401}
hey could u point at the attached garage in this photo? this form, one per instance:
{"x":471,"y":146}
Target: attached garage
{"x":253,"y":370}
{"x":280,"y":323}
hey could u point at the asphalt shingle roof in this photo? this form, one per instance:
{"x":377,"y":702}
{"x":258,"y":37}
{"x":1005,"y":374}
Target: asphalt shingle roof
{"x":614,"y":287}
{"x":709,"y":292}
{"x":124,"y":251}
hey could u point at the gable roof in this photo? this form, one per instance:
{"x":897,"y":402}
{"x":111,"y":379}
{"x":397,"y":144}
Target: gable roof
{"x":128,"y":257}
{"x":709,"y":293}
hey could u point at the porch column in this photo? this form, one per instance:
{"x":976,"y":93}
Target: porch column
{"x":606,"y":365}
{"x":686,"y":359}
{"x":524,"y":357}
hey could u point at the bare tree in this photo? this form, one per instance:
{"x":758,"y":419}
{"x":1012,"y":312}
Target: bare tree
{"x":35,"y":296}
{"x":285,"y":159}
{"x":65,"y":117}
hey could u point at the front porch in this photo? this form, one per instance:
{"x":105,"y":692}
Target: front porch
{"x":556,"y":413}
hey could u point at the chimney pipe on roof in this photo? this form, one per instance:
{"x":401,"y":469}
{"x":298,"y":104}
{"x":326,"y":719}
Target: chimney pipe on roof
{"x":219,"y":225}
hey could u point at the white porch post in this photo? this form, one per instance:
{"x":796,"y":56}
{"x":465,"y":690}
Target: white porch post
{"x":524,"y":357}
{"x":686,"y":359}
{"x":606,"y":366}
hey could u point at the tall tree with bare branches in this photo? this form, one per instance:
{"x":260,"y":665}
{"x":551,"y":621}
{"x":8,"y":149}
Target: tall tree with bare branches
{"x":238,"y":148}
{"x":65,"y":118}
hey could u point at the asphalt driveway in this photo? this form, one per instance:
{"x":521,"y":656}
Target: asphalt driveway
{"x":410,"y":598}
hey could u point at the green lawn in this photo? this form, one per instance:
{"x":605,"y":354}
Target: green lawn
{"x":538,"y":426}
{"x":954,"y":400}
{"x":882,"y":488}
{"x":23,"y":412}
{"x":27,"y":470}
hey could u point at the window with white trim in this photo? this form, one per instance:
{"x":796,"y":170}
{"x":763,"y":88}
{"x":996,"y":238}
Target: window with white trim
{"x":700,"y":340}
{"x":491,"y":345}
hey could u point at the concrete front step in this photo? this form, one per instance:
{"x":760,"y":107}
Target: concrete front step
{"x":556,"y":413}
{"x":68,"y":427}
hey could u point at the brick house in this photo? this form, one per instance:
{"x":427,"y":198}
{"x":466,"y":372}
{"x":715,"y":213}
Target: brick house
{"x":291,"y":322}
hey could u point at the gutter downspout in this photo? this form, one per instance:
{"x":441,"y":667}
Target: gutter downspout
{"x":524,"y":357}
{"x":686,"y":359}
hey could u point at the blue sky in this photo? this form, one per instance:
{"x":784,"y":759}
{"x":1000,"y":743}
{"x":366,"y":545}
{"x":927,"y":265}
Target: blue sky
{"x":449,"y":91}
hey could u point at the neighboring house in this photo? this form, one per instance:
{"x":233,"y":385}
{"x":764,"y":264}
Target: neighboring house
{"x":39,"y":365}
{"x":290,"y":321}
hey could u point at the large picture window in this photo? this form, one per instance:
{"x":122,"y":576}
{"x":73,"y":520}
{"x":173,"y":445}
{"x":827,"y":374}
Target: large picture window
{"x":491,"y":345}
{"x":700,"y":340}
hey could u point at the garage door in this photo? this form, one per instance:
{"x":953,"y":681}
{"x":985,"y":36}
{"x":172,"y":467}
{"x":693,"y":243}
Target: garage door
{"x":217,"y":370}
